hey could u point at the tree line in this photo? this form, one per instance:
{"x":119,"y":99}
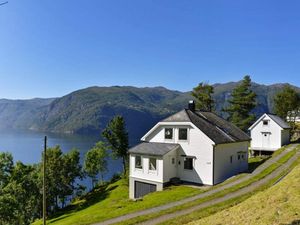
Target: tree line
{"x":21,"y":185}
{"x":242,"y":101}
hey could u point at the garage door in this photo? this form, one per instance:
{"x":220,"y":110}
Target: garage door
{"x":141,"y":189}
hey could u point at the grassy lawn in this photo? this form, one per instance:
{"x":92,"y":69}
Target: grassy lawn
{"x":280,"y":204}
{"x":112,"y":201}
{"x":264,"y":173}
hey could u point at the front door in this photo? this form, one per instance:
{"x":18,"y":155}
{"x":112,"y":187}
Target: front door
{"x":266,"y":139}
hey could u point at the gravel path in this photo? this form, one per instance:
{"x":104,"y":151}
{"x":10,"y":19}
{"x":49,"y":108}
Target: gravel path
{"x":229,"y":196}
{"x":210,"y":192}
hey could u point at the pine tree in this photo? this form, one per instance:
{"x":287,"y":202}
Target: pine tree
{"x":241,"y":104}
{"x":203,"y":95}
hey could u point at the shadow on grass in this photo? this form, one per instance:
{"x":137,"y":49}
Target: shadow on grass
{"x":295,"y":222}
{"x":58,"y":218}
{"x":91,"y":198}
{"x":253,"y":165}
{"x":95,"y":196}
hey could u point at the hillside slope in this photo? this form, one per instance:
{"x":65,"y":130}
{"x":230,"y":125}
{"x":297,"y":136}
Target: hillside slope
{"x":279,"y":204}
{"x":88,"y":110}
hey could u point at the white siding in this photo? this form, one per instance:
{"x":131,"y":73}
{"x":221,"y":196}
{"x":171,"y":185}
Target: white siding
{"x":274,"y":132}
{"x":197,"y":145}
{"x":169,"y":169}
{"x":145,"y":173}
{"x":223,"y":167}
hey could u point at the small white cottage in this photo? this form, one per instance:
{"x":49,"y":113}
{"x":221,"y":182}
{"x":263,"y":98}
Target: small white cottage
{"x":192,"y":146}
{"x":269,"y":133}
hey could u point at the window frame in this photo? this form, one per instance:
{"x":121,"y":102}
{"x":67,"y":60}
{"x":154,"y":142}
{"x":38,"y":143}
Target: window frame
{"x":173,"y":161}
{"x":187,"y":136}
{"x":135,"y":162}
{"x":266,"y":121}
{"x":192,"y":164}
{"x":150,"y":164}
{"x":172,"y":133}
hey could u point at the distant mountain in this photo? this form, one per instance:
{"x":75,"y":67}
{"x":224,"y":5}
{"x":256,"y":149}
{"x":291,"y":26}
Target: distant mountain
{"x":20,"y":114}
{"x":88,"y":110}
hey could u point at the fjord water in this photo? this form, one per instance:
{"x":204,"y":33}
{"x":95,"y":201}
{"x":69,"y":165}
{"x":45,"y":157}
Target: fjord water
{"x":27,"y":146}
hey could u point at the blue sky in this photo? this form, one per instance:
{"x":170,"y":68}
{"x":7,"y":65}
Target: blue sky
{"x":50,"y":48}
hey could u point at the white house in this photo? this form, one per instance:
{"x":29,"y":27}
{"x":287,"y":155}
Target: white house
{"x":191,"y":146}
{"x":269,"y":133}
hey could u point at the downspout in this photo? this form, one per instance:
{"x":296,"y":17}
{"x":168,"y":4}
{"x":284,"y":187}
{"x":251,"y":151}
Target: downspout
{"x":213,"y":166}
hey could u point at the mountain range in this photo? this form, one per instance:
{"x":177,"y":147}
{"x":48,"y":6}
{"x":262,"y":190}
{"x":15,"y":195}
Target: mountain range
{"x":89,"y":110}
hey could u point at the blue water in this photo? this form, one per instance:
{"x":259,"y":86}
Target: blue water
{"x":27,"y":146}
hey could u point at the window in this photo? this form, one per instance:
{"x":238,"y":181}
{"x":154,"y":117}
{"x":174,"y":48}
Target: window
{"x":168,"y":133}
{"x":173,"y":160}
{"x":138,"y":162}
{"x":188,"y":163}
{"x":231,"y":158}
{"x":265,"y":122}
{"x":152,"y":163}
{"x":182,"y":134}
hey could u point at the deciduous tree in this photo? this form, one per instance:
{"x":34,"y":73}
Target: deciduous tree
{"x":95,"y":161}
{"x":287,"y":103}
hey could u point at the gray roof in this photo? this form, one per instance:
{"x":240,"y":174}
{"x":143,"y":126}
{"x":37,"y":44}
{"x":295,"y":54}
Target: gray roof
{"x":181,"y":116}
{"x":279,"y":121}
{"x":216,"y":128}
{"x":153,"y":148}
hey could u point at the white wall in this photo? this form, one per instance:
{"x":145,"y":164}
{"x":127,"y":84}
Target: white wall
{"x":257,"y":135}
{"x":169,"y":169}
{"x":223,"y":168}
{"x":145,"y":173}
{"x":198,"y":145}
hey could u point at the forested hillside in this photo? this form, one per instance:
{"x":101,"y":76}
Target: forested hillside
{"x":88,"y":110}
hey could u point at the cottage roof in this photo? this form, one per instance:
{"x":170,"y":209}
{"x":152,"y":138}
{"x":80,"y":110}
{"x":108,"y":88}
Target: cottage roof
{"x":216,"y":128}
{"x":153,"y":148}
{"x":279,"y":121}
{"x":275,"y":118}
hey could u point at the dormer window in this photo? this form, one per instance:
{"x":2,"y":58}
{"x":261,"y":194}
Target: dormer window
{"x":265,"y":122}
{"x":182,"y":134}
{"x":169,"y":133}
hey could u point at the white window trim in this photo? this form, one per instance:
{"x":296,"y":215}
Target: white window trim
{"x":187,"y":134}
{"x":193,"y":163}
{"x":265,"y":125}
{"x":142,"y":159}
{"x":173,"y":134}
{"x":152,"y":171}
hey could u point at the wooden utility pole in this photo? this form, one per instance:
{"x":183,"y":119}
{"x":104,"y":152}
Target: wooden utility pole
{"x":44,"y":182}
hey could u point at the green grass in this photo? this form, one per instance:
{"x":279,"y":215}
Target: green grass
{"x":261,"y":175}
{"x":112,"y":201}
{"x":279,"y":204}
